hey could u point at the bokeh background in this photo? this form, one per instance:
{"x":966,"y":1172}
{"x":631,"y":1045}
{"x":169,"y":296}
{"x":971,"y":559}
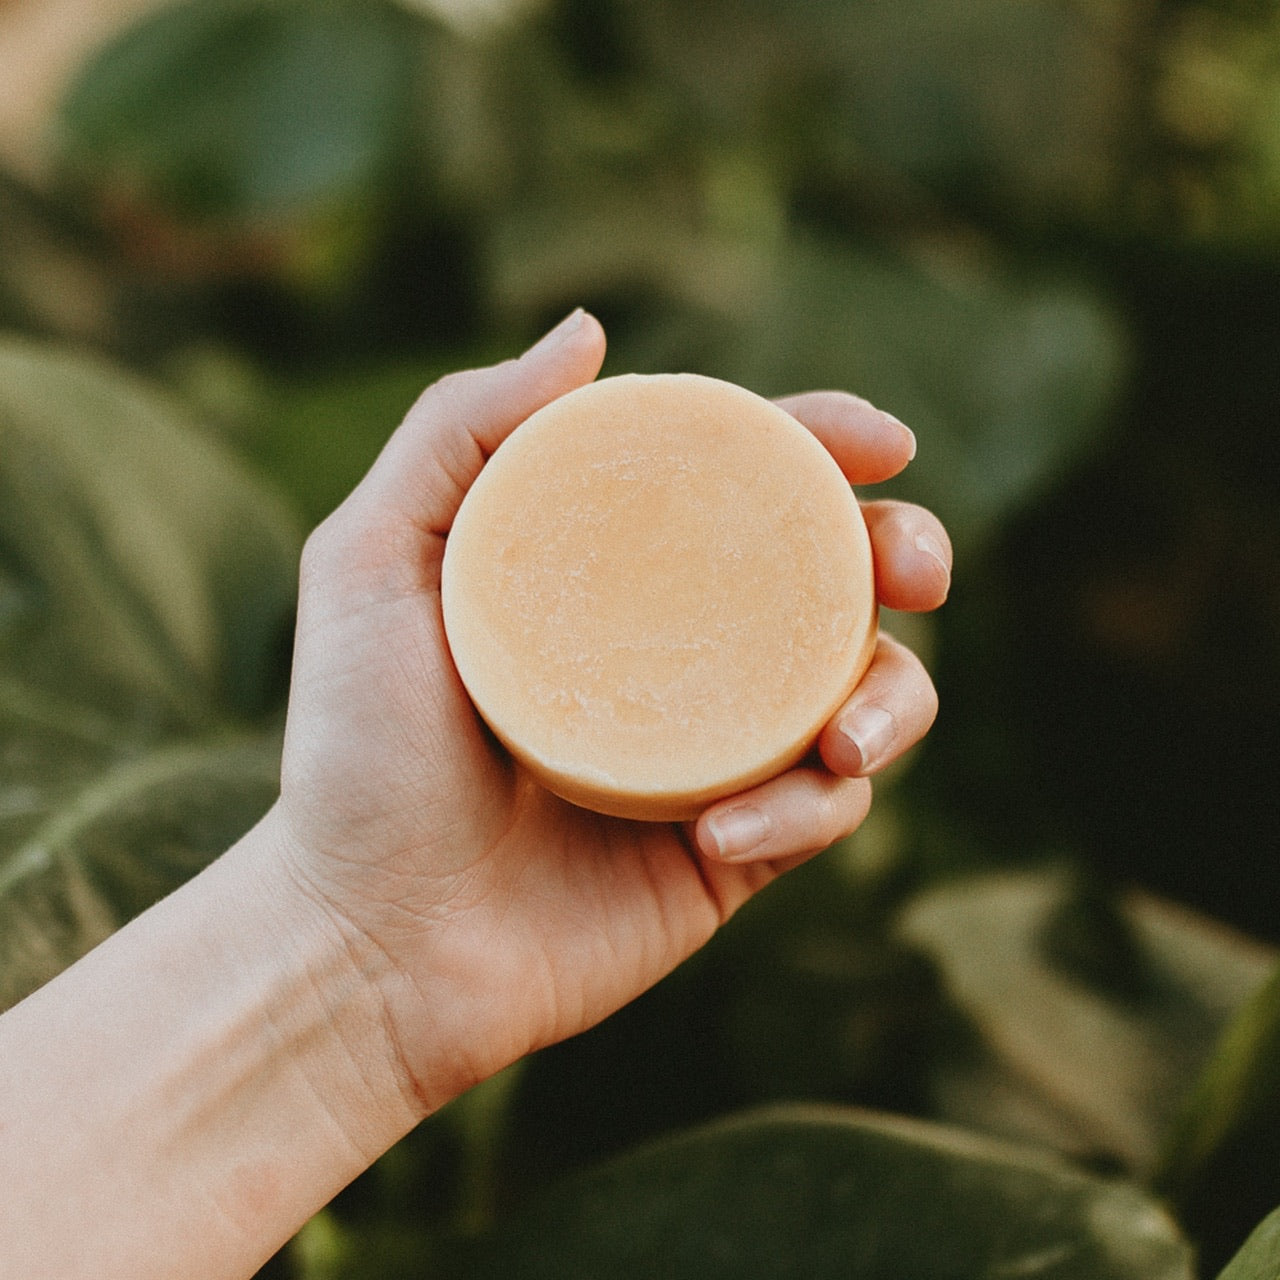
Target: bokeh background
{"x":1044,"y":233}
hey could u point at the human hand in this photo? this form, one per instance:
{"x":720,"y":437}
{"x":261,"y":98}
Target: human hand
{"x":493,"y":917}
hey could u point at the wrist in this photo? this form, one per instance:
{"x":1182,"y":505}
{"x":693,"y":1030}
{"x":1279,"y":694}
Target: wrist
{"x":242,"y":1073}
{"x":329,"y":995}
{"x":407,"y":975}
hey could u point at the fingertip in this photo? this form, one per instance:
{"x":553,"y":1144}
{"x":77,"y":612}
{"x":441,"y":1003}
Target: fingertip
{"x":900,"y":442}
{"x":578,"y":336}
{"x":893,"y":707}
{"x":868,"y":444}
{"x":858,"y":739}
{"x":795,"y":815}
{"x":934,"y":549}
{"x":734,"y":832}
{"x":923,"y":578}
{"x":912,"y":443}
{"x":912,"y":555}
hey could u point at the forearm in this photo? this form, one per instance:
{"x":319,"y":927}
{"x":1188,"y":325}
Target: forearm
{"x":182,"y":1099}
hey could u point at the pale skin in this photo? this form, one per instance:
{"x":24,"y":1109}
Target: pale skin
{"x":412,"y":915}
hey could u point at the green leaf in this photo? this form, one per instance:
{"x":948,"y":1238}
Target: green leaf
{"x":245,"y":107}
{"x":146,"y":590}
{"x":107,"y":842}
{"x":1240,"y":1081}
{"x":145,"y":574}
{"x":1085,"y":1018}
{"x":825,"y":1192}
{"x":1259,"y":1259}
{"x":1218,"y":1163}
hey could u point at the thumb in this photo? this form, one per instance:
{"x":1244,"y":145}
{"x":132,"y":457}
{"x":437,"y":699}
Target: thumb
{"x":436,"y":453}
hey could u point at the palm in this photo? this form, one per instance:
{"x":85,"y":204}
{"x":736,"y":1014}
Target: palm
{"x":598,"y":908}
{"x":567,"y":912}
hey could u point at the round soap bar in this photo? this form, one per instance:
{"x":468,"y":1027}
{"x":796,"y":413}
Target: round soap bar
{"x":657,"y":592}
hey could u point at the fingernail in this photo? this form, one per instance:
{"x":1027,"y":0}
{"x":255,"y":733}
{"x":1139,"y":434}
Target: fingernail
{"x":902,"y":426}
{"x":870,"y":731}
{"x":738,"y":832}
{"x":930,"y":546}
{"x":561,"y":333}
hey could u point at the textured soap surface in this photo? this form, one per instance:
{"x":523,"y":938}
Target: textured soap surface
{"x":657,"y":592}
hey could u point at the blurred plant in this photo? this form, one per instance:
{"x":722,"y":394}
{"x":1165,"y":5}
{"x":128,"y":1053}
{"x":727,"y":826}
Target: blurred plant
{"x":146,"y":588}
{"x":1045,"y":234}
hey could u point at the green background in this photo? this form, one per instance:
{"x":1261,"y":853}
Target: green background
{"x":1044,"y":234}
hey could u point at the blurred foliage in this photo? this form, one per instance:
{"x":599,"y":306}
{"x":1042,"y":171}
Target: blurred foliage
{"x":828,"y":1193}
{"x":146,"y":597}
{"x":1225,"y":1127}
{"x":1046,"y":233}
{"x":1260,"y":1257}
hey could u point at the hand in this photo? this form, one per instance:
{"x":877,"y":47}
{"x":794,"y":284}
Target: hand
{"x":494,"y":917}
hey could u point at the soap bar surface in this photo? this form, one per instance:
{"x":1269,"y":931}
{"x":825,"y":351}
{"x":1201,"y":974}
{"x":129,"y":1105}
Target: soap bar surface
{"x":657,"y":592}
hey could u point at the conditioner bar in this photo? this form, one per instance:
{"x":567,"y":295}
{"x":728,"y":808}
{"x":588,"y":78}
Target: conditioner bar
{"x":657,"y":592}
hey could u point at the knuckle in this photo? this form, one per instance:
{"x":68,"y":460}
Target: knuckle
{"x":317,"y":551}
{"x":848,"y":804}
{"x":447,"y":385}
{"x":458,"y":384}
{"x":835,"y":817}
{"x":327,"y":552}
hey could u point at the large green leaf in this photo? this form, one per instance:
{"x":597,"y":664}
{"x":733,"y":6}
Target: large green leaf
{"x":244,"y":107}
{"x":144,"y":572}
{"x":146,"y":590}
{"x":102,"y":844}
{"x":1240,"y":1085}
{"x":1086,"y":1018}
{"x":1259,"y":1259}
{"x":822,"y":1192}
{"x":1218,"y":1165}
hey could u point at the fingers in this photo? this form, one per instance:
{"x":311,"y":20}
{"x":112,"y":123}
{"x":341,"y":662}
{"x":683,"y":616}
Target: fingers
{"x":793,"y":816}
{"x":911,"y":548}
{"x":787,"y":819}
{"x":868,"y":444}
{"x":437,"y":452}
{"x":912,"y":555}
{"x":889,"y":712}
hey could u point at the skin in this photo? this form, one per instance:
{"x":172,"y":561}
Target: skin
{"x":413,"y":914}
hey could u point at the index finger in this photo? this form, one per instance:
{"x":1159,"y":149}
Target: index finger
{"x":868,"y":444}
